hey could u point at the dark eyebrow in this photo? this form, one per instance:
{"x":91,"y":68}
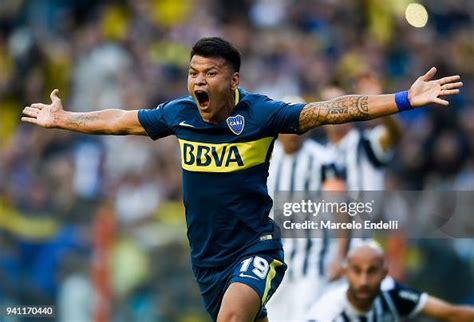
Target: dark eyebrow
{"x":205,"y":70}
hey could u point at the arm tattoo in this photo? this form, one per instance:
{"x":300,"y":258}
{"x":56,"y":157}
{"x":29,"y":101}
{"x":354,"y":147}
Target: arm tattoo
{"x":339,"y":110}
{"x":89,"y":123}
{"x":82,"y":119}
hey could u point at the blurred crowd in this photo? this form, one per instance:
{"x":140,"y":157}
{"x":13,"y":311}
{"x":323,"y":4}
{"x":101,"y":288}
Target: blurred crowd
{"x":72,"y":206}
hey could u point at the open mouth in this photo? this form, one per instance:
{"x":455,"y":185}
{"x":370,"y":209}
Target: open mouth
{"x":203,"y":98}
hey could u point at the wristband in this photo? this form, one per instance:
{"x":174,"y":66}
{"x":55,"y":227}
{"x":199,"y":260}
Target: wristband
{"x":401,"y":99}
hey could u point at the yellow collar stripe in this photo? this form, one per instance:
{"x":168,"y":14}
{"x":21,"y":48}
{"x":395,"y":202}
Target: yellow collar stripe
{"x":237,"y":96}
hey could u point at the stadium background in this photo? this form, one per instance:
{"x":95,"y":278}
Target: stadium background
{"x":86,"y":221}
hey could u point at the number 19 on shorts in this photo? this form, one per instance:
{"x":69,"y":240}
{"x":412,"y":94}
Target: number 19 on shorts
{"x":257,"y":266}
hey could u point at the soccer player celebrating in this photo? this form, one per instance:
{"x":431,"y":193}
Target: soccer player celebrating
{"x":371,"y":296}
{"x":226,"y":136}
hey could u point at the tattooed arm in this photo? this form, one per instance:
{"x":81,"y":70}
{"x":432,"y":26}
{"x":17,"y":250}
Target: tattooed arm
{"x":360,"y":108}
{"x":350,"y":108}
{"x":112,"y":121}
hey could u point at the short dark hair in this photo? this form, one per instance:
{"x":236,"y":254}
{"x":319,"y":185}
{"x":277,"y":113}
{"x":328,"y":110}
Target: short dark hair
{"x":217,"y":47}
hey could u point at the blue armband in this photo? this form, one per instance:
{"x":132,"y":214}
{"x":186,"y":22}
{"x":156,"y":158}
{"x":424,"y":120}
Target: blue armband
{"x":403,"y":104}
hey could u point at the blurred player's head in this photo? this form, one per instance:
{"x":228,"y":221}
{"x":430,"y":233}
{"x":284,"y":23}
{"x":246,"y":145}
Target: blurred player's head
{"x":291,"y":142}
{"x":368,"y":83}
{"x":213,"y":77}
{"x":333,"y":178}
{"x":335,"y":132}
{"x":365,"y":271}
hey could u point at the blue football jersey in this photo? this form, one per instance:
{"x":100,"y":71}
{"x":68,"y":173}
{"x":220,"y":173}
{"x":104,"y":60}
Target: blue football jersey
{"x":225,"y":169}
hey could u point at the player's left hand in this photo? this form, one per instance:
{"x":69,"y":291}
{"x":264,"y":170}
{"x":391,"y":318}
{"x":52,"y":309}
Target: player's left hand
{"x":426,"y":91}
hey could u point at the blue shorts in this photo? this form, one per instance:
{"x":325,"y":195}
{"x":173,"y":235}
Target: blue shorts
{"x":262,"y":271}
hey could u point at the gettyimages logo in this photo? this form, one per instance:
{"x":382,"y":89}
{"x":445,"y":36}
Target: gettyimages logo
{"x":316,"y":208}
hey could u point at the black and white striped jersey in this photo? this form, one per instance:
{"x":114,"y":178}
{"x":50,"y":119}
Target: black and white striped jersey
{"x":307,"y":257}
{"x":300,"y":171}
{"x":360,"y":154}
{"x":394,"y":303}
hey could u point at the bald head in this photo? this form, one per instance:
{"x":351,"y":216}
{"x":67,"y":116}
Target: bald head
{"x":365,"y":271}
{"x":367,"y":252}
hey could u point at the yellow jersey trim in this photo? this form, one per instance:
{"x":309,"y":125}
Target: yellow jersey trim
{"x":236,"y":96}
{"x":223,"y":157}
{"x":271,"y":275}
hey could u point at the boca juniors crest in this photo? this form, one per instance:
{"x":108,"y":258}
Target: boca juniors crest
{"x":236,"y":124}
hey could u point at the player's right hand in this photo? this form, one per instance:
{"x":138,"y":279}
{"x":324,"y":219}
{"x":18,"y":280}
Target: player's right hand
{"x":42,"y":114}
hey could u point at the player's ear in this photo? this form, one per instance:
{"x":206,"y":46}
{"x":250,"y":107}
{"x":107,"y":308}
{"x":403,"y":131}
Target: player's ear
{"x":235,"y":81}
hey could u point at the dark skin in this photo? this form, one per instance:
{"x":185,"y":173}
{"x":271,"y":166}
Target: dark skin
{"x":212,"y":83}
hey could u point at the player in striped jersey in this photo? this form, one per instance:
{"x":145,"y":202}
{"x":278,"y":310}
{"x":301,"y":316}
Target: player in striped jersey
{"x":362,"y":153}
{"x":298,"y":164}
{"x":372,"y":297}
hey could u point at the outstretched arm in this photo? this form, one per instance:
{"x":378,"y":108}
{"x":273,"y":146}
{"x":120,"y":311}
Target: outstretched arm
{"x":353,"y":108}
{"x":112,"y":121}
{"x":443,"y":311}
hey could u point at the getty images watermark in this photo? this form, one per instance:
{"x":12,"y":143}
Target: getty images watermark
{"x":312,"y":209}
{"x":415,"y":214}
